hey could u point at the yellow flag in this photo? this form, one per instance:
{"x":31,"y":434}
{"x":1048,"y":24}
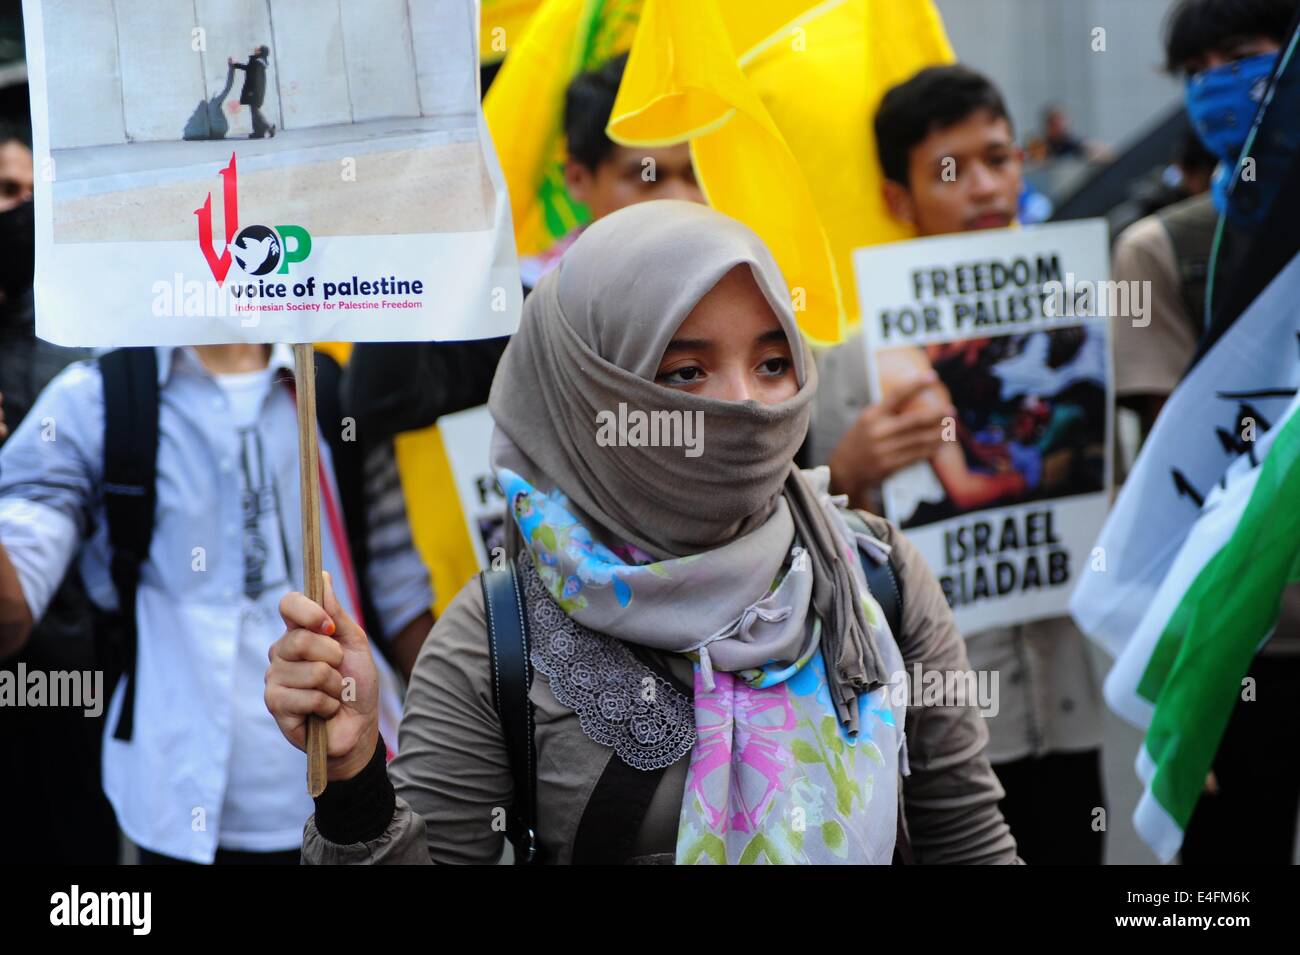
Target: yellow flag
{"x":778,"y":99}
{"x":500,"y":22}
{"x":525,"y":108}
{"x":433,"y":508}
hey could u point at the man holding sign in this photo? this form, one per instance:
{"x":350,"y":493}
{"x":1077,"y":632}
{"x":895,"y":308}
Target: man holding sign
{"x":951,"y":165}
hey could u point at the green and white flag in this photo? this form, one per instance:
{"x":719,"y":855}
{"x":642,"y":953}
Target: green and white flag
{"x":1186,"y":580}
{"x":1217,"y":605}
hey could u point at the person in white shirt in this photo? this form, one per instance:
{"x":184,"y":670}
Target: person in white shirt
{"x":205,"y":776}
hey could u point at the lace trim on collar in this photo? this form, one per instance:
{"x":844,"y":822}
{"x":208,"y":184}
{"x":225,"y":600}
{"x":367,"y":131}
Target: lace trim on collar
{"x":620,"y":701}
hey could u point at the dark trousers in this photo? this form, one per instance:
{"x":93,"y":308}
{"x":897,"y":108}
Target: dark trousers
{"x":1051,"y":805}
{"x":1251,"y":820}
{"x":260,"y":125}
{"x":52,"y":804}
{"x":52,"y":808}
{"x":228,"y":857}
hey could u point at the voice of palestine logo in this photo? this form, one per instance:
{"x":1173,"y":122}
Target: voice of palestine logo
{"x":257,"y":249}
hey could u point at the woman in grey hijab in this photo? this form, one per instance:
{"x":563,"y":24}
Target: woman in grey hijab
{"x":702,"y":631}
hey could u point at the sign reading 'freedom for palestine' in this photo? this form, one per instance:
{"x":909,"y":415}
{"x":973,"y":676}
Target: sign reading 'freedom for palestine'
{"x":1013,"y":324}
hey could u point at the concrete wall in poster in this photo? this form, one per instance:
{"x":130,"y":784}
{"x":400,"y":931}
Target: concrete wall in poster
{"x":309,"y":46}
{"x":380,"y":63}
{"x":82,"y":75}
{"x":129,"y":71}
{"x":162,"y":75}
{"x":445,"y":85}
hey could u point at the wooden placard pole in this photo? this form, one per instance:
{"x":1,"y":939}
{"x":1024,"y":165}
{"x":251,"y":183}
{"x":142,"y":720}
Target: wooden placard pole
{"x":313,"y":582}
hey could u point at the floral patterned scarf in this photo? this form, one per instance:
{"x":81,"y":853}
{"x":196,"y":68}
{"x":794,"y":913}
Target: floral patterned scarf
{"x":774,"y":775}
{"x":775,"y":778}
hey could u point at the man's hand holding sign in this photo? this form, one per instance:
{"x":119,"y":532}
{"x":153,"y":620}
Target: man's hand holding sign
{"x":901,"y":430}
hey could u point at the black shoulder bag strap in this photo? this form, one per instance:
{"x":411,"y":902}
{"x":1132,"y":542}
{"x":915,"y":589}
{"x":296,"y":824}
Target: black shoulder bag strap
{"x":886,"y":585}
{"x":883,"y":579}
{"x":622,"y":794}
{"x":130,"y":378}
{"x":512,"y":677}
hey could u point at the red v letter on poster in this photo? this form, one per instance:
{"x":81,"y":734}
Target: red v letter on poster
{"x":220,"y":265}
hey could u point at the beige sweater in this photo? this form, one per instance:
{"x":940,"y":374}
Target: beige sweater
{"x":453,"y":782}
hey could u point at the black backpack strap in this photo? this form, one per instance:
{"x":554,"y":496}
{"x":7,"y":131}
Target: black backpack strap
{"x":512,"y":677}
{"x":883,"y":579}
{"x":886,"y":585}
{"x":616,"y":808}
{"x":130,"y":377}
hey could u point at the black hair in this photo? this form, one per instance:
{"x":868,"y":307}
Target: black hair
{"x":934,"y":99}
{"x":587,"y":104}
{"x":15,"y":131}
{"x":1196,"y":27}
{"x":264,"y":50}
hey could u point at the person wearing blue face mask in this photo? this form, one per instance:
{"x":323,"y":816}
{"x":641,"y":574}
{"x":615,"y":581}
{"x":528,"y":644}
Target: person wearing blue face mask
{"x":1225,"y":52}
{"x":1222,"y":101}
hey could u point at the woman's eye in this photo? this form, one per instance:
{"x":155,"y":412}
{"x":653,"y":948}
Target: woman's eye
{"x":775,"y":366}
{"x":682,"y":376}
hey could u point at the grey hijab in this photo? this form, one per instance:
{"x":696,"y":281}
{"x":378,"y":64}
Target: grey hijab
{"x":744,"y":550}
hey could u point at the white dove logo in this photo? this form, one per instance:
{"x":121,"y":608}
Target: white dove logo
{"x":257,"y":250}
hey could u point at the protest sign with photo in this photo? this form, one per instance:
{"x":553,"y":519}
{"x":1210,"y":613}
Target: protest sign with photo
{"x":467,"y":436}
{"x":1014,"y":325}
{"x":262,"y":171}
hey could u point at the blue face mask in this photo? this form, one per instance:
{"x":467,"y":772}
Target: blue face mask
{"x":1222,"y":103}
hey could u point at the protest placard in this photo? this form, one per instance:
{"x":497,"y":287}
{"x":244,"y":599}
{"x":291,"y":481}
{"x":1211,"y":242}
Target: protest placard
{"x":230,"y":171}
{"x":467,"y":436}
{"x":263,"y":171}
{"x":1014,"y":324}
